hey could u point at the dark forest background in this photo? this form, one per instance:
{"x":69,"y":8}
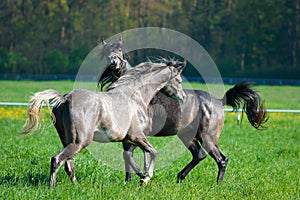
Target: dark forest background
{"x":254,"y":38}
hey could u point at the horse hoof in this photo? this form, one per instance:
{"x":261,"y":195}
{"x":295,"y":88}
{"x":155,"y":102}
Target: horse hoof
{"x":145,"y":181}
{"x":180,"y":178}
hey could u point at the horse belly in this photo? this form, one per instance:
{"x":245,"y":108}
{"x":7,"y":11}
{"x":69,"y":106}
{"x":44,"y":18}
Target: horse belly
{"x":104,"y":136}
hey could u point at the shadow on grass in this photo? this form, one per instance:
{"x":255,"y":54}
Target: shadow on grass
{"x":29,"y":179}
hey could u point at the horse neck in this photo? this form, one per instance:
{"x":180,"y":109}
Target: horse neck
{"x":136,"y":90}
{"x":123,"y":67}
{"x":127,"y":66}
{"x":148,"y":92}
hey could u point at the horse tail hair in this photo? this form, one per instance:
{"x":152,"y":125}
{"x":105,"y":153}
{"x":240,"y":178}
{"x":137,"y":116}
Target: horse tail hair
{"x":36,"y":102}
{"x":242,"y":94}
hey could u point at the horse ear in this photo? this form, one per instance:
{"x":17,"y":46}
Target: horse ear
{"x":121,"y":40}
{"x":181,"y":67}
{"x":103,"y":41}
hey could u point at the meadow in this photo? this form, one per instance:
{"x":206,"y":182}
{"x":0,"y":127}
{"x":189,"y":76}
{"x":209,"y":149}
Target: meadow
{"x":262,"y":164}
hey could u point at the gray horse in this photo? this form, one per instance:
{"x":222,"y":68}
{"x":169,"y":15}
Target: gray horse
{"x":120,"y":114}
{"x":197,"y":121}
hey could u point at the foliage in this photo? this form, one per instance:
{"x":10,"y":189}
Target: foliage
{"x":56,"y":61}
{"x":245,"y":38}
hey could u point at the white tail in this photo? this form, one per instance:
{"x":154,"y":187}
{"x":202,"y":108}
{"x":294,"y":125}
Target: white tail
{"x":36,"y":102}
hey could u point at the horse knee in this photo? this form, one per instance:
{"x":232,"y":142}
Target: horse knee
{"x":226,"y":160}
{"x":153,"y":153}
{"x":222,"y":163}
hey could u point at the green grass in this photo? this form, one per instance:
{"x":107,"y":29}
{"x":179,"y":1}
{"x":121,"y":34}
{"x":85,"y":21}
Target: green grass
{"x":262,"y":164}
{"x":276,"y":97}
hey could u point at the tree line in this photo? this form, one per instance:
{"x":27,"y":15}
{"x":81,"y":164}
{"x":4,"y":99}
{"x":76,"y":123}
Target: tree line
{"x":244,"y":38}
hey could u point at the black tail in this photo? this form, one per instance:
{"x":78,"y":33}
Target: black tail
{"x":242,"y":93}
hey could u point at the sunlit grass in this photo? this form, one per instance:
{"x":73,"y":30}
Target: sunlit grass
{"x":262,"y":164}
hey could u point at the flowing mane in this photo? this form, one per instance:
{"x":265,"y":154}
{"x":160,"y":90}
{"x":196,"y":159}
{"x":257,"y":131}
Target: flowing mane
{"x":112,"y":74}
{"x":135,"y":73}
{"x":109,"y":76}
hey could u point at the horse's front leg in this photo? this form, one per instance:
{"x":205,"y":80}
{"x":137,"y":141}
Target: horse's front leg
{"x":128,"y":158}
{"x":146,"y":163}
{"x":146,"y":147}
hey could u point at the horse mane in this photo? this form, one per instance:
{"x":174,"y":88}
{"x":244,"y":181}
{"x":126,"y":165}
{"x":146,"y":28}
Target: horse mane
{"x":135,"y":73}
{"x":109,"y":76}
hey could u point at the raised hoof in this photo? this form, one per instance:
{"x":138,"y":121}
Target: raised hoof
{"x":180,"y":178}
{"x":145,"y":181}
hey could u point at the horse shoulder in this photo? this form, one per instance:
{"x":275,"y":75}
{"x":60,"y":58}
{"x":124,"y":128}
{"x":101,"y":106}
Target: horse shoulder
{"x":114,"y":119}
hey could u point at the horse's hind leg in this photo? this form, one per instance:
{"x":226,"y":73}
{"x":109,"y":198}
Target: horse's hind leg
{"x":221,"y":161}
{"x":198,"y":155}
{"x":66,"y":154}
{"x":69,"y":168}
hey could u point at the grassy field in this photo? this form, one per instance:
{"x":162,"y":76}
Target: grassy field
{"x":262,"y":164}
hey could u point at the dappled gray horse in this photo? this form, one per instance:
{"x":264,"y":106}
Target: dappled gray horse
{"x":197,"y":121}
{"x":120,"y":114}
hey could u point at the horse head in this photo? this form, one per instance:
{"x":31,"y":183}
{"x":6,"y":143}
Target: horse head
{"x":113,"y":53}
{"x":117,"y":63}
